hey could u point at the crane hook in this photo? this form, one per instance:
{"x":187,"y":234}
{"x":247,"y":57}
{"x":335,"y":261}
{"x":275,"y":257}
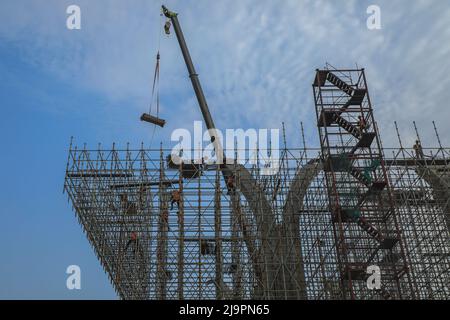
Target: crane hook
{"x":167,"y":27}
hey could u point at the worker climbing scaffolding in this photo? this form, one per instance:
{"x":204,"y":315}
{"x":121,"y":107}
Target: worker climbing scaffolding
{"x":362,"y":124}
{"x":165,"y":218}
{"x":134,"y":243}
{"x":175,"y":197}
{"x":230,"y":185}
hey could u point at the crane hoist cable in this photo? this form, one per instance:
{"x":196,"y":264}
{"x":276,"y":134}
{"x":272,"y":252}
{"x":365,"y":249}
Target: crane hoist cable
{"x":155,"y":85}
{"x":155,"y":90}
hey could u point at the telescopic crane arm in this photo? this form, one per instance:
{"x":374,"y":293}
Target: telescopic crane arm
{"x":194,"y":79}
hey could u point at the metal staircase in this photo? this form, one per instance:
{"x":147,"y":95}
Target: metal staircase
{"x":360,"y":200}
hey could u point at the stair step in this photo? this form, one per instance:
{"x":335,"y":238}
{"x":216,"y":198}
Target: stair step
{"x":388,"y":243}
{"x":357,"y":97}
{"x":338,"y":163}
{"x":347,"y":215}
{"x":347,"y":126}
{"x":371,"y":230}
{"x":354,"y":215}
{"x":339,"y":83}
{"x":358,"y":175}
{"x":326,"y":118}
{"x":378,"y":186}
{"x":391,"y":257}
{"x":374,"y":189}
{"x":356,"y":271}
{"x":366,"y":140}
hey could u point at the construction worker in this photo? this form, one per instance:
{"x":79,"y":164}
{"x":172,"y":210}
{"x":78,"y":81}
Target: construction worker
{"x":142,"y":195}
{"x":418,"y":149}
{"x":165,"y":218}
{"x":203,"y":247}
{"x":175,"y":197}
{"x":361,"y":123}
{"x":133,"y":240}
{"x":230,"y":184}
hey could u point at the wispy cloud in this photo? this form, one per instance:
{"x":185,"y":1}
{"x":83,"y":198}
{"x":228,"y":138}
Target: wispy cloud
{"x":256,"y":59}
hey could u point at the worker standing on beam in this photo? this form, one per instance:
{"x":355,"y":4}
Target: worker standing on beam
{"x":361,"y":123}
{"x":418,"y":149}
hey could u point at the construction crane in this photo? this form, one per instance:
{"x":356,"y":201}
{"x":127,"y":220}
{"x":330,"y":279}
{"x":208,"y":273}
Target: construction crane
{"x":265,"y":257}
{"x":195,"y":80}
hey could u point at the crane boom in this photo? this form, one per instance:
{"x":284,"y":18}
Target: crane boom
{"x":194,"y":78}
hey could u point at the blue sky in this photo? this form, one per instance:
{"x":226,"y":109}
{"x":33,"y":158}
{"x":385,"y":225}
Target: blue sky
{"x":256,"y":60}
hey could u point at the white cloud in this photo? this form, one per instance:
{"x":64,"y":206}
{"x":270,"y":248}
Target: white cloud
{"x":256,"y":59}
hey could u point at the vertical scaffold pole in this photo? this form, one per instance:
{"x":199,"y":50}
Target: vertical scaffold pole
{"x":181,"y":235}
{"x":218,"y":237}
{"x":162,"y":233}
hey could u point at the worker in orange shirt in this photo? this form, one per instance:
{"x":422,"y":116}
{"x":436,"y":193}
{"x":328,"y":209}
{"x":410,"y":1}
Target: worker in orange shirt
{"x":175,"y":197}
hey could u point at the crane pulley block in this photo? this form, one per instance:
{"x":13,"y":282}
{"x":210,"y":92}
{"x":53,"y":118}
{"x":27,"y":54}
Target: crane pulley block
{"x":167,"y":27}
{"x":154,"y":120}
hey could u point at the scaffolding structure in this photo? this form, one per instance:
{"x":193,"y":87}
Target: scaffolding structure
{"x":202,"y":250}
{"x":165,"y":229}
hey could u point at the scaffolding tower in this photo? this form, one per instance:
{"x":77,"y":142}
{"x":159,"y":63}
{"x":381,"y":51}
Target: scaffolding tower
{"x":365,"y":223}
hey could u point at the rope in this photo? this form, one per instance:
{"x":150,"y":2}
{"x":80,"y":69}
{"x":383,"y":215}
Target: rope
{"x":156,"y":81}
{"x":155,"y":85}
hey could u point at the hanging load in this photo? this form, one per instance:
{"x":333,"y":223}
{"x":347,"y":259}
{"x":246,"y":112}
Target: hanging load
{"x":155,"y":120}
{"x":147,"y":117}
